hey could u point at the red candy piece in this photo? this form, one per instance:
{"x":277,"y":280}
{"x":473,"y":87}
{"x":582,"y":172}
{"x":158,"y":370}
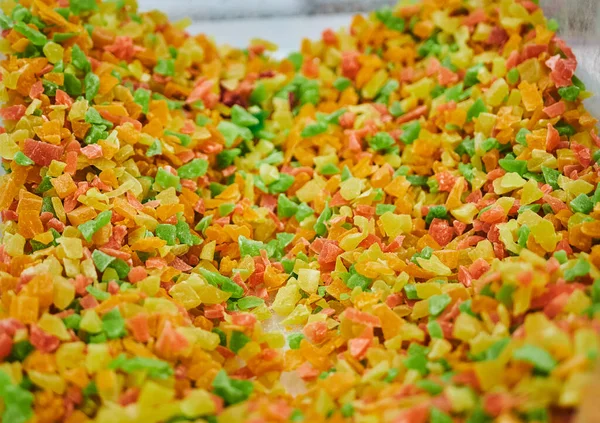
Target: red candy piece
{"x":42,"y":153}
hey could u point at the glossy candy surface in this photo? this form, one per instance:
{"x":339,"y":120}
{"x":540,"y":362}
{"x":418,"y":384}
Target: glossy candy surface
{"x":413,"y":198}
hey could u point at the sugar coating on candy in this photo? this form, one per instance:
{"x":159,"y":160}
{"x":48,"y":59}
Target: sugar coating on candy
{"x":397,"y":223}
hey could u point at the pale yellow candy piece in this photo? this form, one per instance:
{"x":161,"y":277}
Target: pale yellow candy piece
{"x":521,"y":300}
{"x":497,"y":92}
{"x":51,"y":382}
{"x":249,"y":350}
{"x":78,"y":110}
{"x":197,"y":403}
{"x":484,"y":250}
{"x":531,"y":193}
{"x":160,"y":305}
{"x":420,"y":310}
{"x":482,"y":33}
{"x":97,"y":358}
{"x":465,"y":213}
{"x":376,"y":373}
{"x":45,"y":237}
{"x":545,"y":235}
{"x":439,"y":349}
{"x":56,"y":168}
{"x":375,"y":84}
{"x":53,"y":264}
{"x":463,"y":57}
{"x":481,"y":342}
{"x":364,"y":224}
{"x":466,"y":327}
{"x":574,"y":188}
{"x":123,"y":188}
{"x":506,"y":203}
{"x":412,"y":332}
{"x":396,"y":224}
{"x":351,"y":241}
{"x":167,"y":196}
{"x":205,"y":339}
{"x":186,"y":295}
{"x":490,"y":373}
{"x":109,"y":385}
{"x":409,"y":103}
{"x":324,"y":403}
{"x":508,"y":183}
{"x":321,"y":161}
{"x":507,"y":236}
{"x":585,"y":340}
{"x":308,"y":280}
{"x":208,"y":251}
{"x":64,"y":293}
{"x":339,"y":265}
{"x":210,"y":294}
{"x":479,"y":179}
{"x":462,"y":36}
{"x":124,"y":153}
{"x":12,"y":79}
{"x":262,"y":312}
{"x":8,"y":147}
{"x":319,"y":317}
{"x":286,"y":299}
{"x":90,"y":322}
{"x":394,"y":343}
{"x":73,"y":247}
{"x":154,"y":395}
{"x":54,"y":326}
{"x":485,"y":123}
{"x":428,"y":289}
{"x":447,"y":24}
{"x":411,"y":376}
{"x":543,"y":332}
{"x":498,"y":67}
{"x":310,"y":190}
{"x":531,"y":257}
{"x":274,"y":339}
{"x":268,"y":173}
{"x":89,"y":269}
{"x":300,"y":264}
{"x":70,"y":355}
{"x":420,"y":89}
{"x":462,"y":398}
{"x":514,"y":99}
{"x":528,"y":218}
{"x":149,"y":285}
{"x":351,"y":188}
{"x":434,"y":265}
{"x":154,"y":415}
{"x":53,"y":52}
{"x":14,"y":244}
{"x":578,"y":302}
{"x":483,"y":74}
{"x":35,"y":104}
{"x":128,"y":183}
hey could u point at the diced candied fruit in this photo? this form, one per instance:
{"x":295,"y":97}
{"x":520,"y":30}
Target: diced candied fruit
{"x":410,"y":203}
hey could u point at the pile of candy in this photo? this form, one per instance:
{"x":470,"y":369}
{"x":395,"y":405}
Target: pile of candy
{"x":414,"y":198}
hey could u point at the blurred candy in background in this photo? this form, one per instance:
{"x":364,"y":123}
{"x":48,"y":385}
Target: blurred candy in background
{"x":286,"y":22}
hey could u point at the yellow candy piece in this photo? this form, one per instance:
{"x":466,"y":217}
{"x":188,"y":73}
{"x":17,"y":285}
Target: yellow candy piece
{"x":396,"y":224}
{"x":308,"y":280}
